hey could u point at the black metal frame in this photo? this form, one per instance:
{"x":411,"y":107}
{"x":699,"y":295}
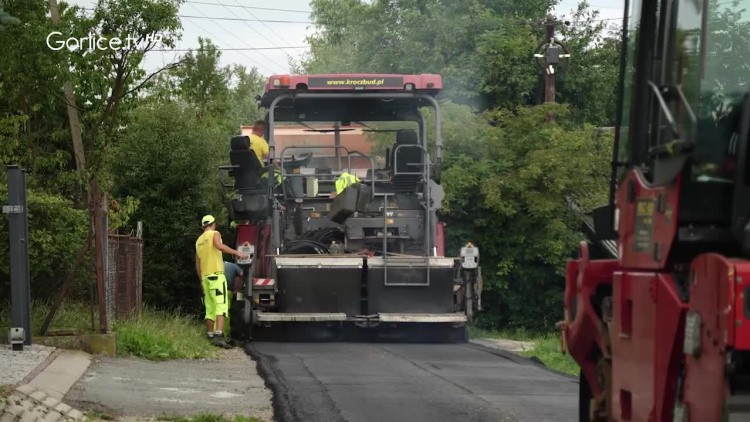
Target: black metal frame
{"x":417,"y":97}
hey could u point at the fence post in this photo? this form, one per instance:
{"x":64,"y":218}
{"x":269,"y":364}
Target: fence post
{"x":100,"y":242}
{"x":20,"y":285}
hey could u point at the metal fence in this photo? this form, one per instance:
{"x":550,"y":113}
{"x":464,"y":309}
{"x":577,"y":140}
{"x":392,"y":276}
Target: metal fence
{"x":123,"y":287}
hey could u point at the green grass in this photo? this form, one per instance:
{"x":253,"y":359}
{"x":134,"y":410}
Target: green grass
{"x":160,"y":335}
{"x":208,"y":417}
{"x":99,"y":416}
{"x":546,"y":347}
{"x":157,"y":335}
{"x":70,"y":315}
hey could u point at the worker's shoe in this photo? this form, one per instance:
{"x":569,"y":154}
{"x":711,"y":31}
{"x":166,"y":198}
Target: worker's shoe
{"x":219,"y":341}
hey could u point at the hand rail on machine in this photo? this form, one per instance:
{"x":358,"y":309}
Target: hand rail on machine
{"x":425,"y":173}
{"x":348,"y":156}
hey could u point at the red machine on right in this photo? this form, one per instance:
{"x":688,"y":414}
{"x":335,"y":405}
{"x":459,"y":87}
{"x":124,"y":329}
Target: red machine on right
{"x":661,"y":327}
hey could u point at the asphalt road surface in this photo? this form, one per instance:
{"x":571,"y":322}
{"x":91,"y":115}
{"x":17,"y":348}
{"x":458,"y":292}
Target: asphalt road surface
{"x":358,"y":382}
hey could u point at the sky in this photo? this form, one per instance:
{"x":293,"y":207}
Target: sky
{"x":229,"y":25}
{"x":611,"y":10}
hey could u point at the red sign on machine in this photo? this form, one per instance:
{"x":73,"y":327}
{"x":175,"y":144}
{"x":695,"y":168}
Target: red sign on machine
{"x":263,"y":281}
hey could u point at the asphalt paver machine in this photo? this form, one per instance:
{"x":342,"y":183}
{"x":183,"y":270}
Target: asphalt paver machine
{"x":363,"y":262}
{"x":661,"y":329}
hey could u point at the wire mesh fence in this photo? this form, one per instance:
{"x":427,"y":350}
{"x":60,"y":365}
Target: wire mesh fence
{"x":123,"y":287}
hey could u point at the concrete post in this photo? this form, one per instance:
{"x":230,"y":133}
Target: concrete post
{"x":20,"y":286}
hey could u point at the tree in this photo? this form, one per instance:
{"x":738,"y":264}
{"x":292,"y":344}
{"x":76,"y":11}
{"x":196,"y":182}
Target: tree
{"x":57,"y":231}
{"x":6,"y":19}
{"x":512,"y":199}
{"x":589,"y":83}
{"x":202,"y":80}
{"x":108,"y":81}
{"x":167,"y":160}
{"x":34,"y":130}
{"x":105,"y":81}
{"x":483,"y":49}
{"x":413,"y":36}
{"x":243,"y":109}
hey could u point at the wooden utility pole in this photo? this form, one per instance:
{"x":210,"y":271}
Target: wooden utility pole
{"x":549,"y":83}
{"x":70,"y":100}
{"x":98,"y":208}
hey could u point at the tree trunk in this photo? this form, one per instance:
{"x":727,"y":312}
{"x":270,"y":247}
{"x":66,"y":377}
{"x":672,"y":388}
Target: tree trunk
{"x":75,"y":124}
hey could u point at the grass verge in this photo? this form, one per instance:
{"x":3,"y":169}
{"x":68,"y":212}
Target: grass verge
{"x":546,"y":347}
{"x":160,"y":335}
{"x":208,"y":417}
{"x":157,"y":335}
{"x":70,"y":316}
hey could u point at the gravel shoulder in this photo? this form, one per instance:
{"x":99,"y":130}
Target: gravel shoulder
{"x":15,"y":366}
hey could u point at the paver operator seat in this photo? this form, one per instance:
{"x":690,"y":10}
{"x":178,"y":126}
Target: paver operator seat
{"x":248,"y":170}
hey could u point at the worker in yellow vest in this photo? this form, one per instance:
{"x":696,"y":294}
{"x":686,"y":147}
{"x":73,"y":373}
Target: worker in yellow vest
{"x":276,"y":173}
{"x":344,"y":181}
{"x":209,"y":265}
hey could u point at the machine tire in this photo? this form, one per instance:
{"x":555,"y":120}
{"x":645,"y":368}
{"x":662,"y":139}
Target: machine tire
{"x":469,"y":300}
{"x":584,"y":399}
{"x":240,"y":321}
{"x":247,"y":320}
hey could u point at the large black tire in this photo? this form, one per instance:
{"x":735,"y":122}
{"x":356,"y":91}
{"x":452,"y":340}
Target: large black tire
{"x":584,"y":399}
{"x":239,"y":324}
{"x":469,"y":301}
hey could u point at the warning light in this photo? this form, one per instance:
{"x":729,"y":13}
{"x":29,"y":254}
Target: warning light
{"x":282,"y":81}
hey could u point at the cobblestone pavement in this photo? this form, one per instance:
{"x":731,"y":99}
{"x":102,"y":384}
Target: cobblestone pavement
{"x":14,"y":366}
{"x":27,"y":404}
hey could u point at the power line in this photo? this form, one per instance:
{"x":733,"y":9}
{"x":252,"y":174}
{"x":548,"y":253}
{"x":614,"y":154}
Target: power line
{"x":269,"y":28}
{"x":243,"y":41}
{"x":239,"y":50}
{"x":252,"y":7}
{"x":241,"y":53}
{"x":264,"y":24}
{"x":583,"y":23}
{"x":257,"y":32}
{"x":230,"y":49}
{"x":591,"y":6}
{"x":263,"y":21}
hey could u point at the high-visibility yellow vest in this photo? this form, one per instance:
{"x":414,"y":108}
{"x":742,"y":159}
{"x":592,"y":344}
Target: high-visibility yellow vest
{"x":210,"y":258}
{"x":344,"y":181}
{"x":277,"y":174}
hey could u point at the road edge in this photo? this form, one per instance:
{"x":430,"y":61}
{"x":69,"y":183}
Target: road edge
{"x":41,"y":367}
{"x":520,"y":359}
{"x":274,"y":381}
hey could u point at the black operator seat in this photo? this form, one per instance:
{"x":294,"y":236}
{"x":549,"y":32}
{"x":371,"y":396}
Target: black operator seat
{"x":249,"y":169}
{"x":407,"y":159}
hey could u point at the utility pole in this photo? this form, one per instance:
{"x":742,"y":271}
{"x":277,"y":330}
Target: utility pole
{"x":549,"y":83}
{"x":70,"y":100}
{"x":547,"y":56}
{"x":20,"y":287}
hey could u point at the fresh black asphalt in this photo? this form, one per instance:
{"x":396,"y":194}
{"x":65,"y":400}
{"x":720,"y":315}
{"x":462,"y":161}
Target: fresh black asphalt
{"x":359,"y":382}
